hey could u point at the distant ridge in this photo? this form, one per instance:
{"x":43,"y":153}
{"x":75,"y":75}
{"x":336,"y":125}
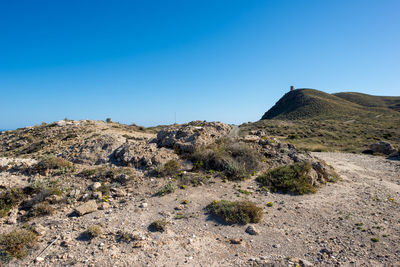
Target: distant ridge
{"x":310,"y":103}
{"x":392,"y":102}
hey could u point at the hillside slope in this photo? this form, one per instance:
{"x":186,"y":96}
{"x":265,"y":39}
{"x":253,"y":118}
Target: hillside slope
{"x":317,"y":121}
{"x":311,"y":103}
{"x":391,"y":102}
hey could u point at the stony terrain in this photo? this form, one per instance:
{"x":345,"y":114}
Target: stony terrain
{"x":115,"y":176}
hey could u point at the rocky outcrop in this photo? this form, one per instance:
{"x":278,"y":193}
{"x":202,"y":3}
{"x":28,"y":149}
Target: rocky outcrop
{"x":187,"y":137}
{"x":94,"y":151}
{"x":382,"y":147}
{"x":142,"y":154}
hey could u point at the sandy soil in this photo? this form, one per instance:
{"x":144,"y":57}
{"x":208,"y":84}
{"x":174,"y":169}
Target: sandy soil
{"x":319,"y":229}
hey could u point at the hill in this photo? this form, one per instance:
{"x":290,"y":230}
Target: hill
{"x":391,"y":102}
{"x":311,"y":103}
{"x":317,"y":121}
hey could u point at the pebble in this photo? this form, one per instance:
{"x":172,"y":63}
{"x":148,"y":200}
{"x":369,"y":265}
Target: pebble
{"x":39,"y":259}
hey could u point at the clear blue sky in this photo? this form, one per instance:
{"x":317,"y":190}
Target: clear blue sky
{"x":225,"y":60}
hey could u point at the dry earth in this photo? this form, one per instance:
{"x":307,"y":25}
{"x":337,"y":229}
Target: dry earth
{"x":318,"y":229}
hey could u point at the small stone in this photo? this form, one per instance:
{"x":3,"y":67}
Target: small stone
{"x":236,"y":241}
{"x":276,"y":245}
{"x":12,"y":217}
{"x":87,"y":207}
{"x":306,"y":263}
{"x":39,"y":259}
{"x":144,"y":205}
{"x":180,"y":207}
{"x":95,"y":186}
{"x":251,"y":230}
{"x":104,"y":206}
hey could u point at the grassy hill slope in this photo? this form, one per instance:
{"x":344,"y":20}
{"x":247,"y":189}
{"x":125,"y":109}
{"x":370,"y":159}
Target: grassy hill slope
{"x":391,"y":102}
{"x":317,"y":121}
{"x":311,"y":103}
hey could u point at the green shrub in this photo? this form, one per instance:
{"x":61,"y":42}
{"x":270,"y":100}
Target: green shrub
{"x":292,"y":178}
{"x":9,"y":199}
{"x":171,"y":168}
{"x":231,"y":212}
{"x":234,"y":160}
{"x":16,"y":243}
{"x":166,"y":189}
{"x":46,"y":187}
{"x":108,"y":120}
{"x":52,"y":163}
{"x":42,"y":209}
{"x":93,"y":231}
{"x":107,"y":174}
{"x":126,"y":237}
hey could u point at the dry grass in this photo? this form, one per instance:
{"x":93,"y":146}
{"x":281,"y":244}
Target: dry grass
{"x":9,"y":199}
{"x":54,"y":165}
{"x":235,"y":160}
{"x":16,"y":244}
{"x":93,"y":231}
{"x":241,"y":212}
{"x":171,"y":168}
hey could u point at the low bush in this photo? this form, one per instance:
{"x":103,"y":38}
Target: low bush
{"x":54,"y":164}
{"x":9,"y":199}
{"x":292,"y":178}
{"x":171,"y":168}
{"x":93,"y":231}
{"x":42,"y":209}
{"x":107,"y":174}
{"x":126,"y":237}
{"x":241,"y":212}
{"x":167,"y":189}
{"x":234,"y":160}
{"x":16,"y":243}
{"x":47,"y":187}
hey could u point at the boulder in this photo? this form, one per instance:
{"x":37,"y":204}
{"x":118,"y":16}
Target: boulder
{"x":87,"y":207}
{"x":94,"y":151}
{"x":187,"y":137}
{"x":142,"y":154}
{"x":382,"y":147}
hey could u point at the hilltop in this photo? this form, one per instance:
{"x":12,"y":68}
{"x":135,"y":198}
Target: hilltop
{"x":311,"y":103}
{"x":317,"y":121}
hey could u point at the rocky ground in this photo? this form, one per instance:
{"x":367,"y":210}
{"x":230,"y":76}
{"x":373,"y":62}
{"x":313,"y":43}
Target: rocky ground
{"x":353,"y":222}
